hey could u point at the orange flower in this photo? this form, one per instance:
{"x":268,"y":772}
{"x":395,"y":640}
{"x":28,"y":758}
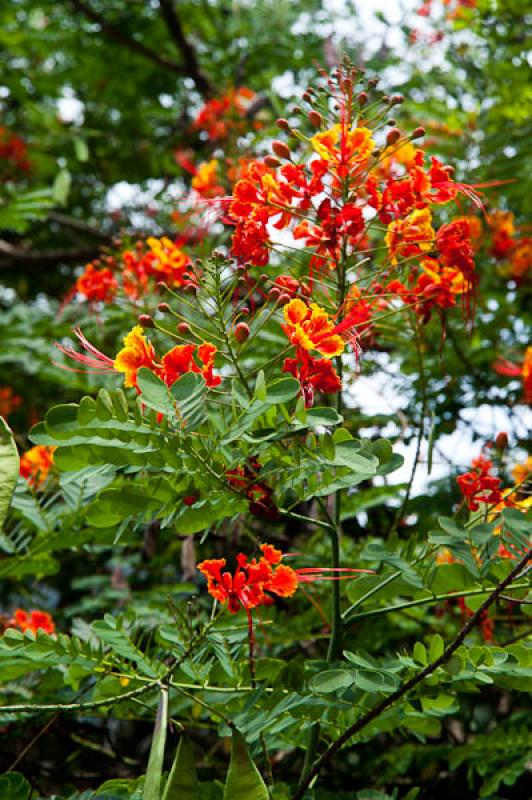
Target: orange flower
{"x":136,"y":353}
{"x":522,"y":472}
{"x":205,"y":181}
{"x":521,"y":258}
{"x":451,"y":279}
{"x":170,"y":262}
{"x":411,"y":236}
{"x":346,"y":149}
{"x":254,"y":582}
{"x":180,"y":360}
{"x":36,"y":463}
{"x":97,"y":285}
{"x":34,"y":621}
{"x":309,"y":328}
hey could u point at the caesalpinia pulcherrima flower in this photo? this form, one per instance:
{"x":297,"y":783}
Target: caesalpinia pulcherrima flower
{"x":524,"y":371}
{"x":226,"y":114}
{"x":256,"y":582}
{"x":9,"y":401}
{"x":36,"y":463}
{"x":522,"y":472}
{"x":32,"y":621}
{"x":479,"y":485}
{"x":139,"y":352}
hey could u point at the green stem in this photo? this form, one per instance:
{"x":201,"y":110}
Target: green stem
{"x":435,"y":598}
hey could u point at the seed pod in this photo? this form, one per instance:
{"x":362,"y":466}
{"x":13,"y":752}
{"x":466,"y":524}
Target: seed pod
{"x":146,"y":321}
{"x":241,"y":332}
{"x":418,"y":133}
{"x":281,"y":149}
{"x":393,"y":136}
{"x":183,"y":328}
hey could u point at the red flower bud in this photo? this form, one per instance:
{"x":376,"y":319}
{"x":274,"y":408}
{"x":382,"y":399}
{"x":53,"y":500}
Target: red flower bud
{"x":363,"y":98}
{"x":281,"y":149}
{"x":283,"y":124}
{"x":146,"y":321}
{"x":315,"y":118}
{"x":501,"y":440}
{"x":274,"y":293}
{"x":393,"y":136}
{"x":190,"y":499}
{"x":241,"y":332}
{"x":397,"y":99}
{"x":418,"y":133}
{"x":271,"y":161}
{"x":183,"y":327}
{"x":284,"y":298}
{"x":163,"y":307}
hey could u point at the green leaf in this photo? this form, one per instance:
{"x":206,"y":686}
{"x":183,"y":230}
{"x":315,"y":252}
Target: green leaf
{"x":154,"y":392}
{"x":61,"y":187}
{"x":331,"y":680}
{"x":152,"y":785}
{"x":243,"y":778}
{"x":14,"y":786}
{"x":182,"y":783}
{"x":436,"y":647}
{"x":282,"y":390}
{"x":9,"y":468}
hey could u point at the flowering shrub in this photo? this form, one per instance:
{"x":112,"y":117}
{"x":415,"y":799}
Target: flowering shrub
{"x":224,"y":418}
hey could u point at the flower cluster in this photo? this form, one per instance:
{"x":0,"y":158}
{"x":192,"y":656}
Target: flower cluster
{"x":36,"y":463}
{"x":135,"y":271}
{"x":507,"y":247}
{"x":139,"y":352}
{"x":226,"y":114}
{"x":256,"y":582}
{"x":32,"y":621}
{"x":479,"y":485}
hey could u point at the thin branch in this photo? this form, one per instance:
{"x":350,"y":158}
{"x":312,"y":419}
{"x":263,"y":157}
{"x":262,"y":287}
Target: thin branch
{"x":77,"y":225}
{"x":10,"y":255}
{"x":191,"y":63}
{"x":375,"y":712}
{"x":116,"y":33}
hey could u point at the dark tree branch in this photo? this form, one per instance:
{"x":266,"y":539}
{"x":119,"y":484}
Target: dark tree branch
{"x":77,"y":225}
{"x":406,"y":687}
{"x":11,"y":256}
{"x":191,"y":63}
{"x":116,"y":33}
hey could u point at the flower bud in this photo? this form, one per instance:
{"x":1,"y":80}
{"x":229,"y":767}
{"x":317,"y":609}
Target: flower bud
{"x":273,"y":294}
{"x":284,"y":298}
{"x":390,"y":122}
{"x":307,"y":97}
{"x":183,"y":328}
{"x":190,"y":499}
{"x":281,"y":149}
{"x":163,"y":307}
{"x":241,"y":332}
{"x":393,"y":136}
{"x":501,"y":440}
{"x":297,"y":109}
{"x":397,"y":99}
{"x":245,"y":311}
{"x":271,"y":161}
{"x":417,"y":133}
{"x":146,"y":321}
{"x":283,"y":124}
{"x":363,"y":98}
{"x":315,"y":118}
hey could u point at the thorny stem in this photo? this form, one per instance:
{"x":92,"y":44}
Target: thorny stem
{"x":379,"y":709}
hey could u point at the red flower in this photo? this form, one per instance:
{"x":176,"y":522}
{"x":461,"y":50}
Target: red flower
{"x":524,"y":371}
{"x":314,"y":375}
{"x":478,"y":486}
{"x":33,"y":621}
{"x":36,"y":463}
{"x":253,"y":583}
{"x":97,"y":285}
{"x":181,"y":359}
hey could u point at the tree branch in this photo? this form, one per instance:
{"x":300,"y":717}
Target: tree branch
{"x":116,"y":33}
{"x":11,"y":256}
{"x":77,"y":225}
{"x":406,"y":687}
{"x":191,"y":64}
